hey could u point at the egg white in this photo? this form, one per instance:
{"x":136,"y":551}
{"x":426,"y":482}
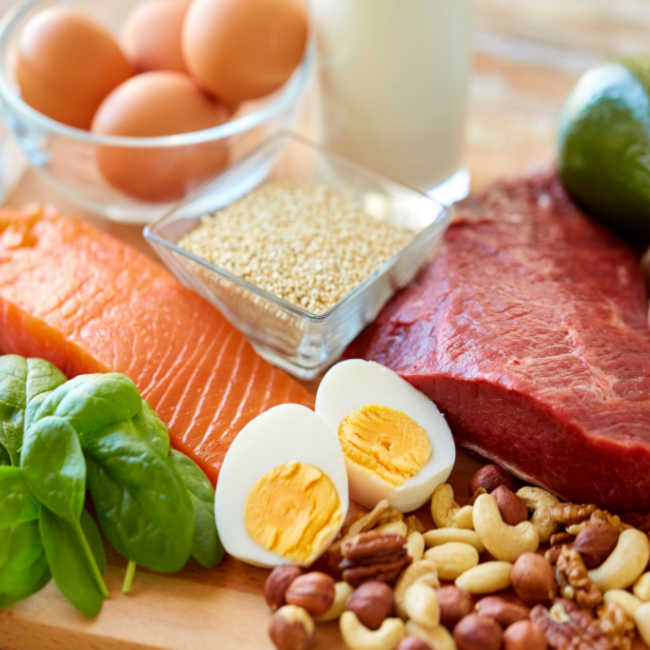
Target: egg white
{"x":282,"y":434}
{"x":354,"y":383}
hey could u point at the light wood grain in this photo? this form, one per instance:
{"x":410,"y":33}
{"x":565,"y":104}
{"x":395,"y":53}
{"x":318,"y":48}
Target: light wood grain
{"x":527,"y":56}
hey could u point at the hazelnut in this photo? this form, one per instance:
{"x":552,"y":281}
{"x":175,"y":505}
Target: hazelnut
{"x":454,"y":603}
{"x":476,"y":632}
{"x":512,"y":508}
{"x":524,"y":635}
{"x":504,"y":612}
{"x":489,"y":477}
{"x":278,"y":582}
{"x":413,"y":643}
{"x":372,"y":602}
{"x":532,"y":578}
{"x":291,"y":628}
{"x":595,"y":542}
{"x":312,"y":591}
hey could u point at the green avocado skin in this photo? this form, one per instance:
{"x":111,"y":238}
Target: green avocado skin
{"x":604,"y":146}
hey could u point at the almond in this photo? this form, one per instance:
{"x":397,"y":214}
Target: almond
{"x":512,"y":508}
{"x":489,"y":477}
{"x":595,"y":542}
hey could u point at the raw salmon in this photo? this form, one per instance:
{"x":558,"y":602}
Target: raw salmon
{"x":87,"y":302}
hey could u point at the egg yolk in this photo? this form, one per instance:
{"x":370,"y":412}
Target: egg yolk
{"x":385,"y":442}
{"x":293,"y":510}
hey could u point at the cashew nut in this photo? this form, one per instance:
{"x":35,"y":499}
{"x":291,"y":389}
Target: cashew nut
{"x":503,"y":541}
{"x":540,"y":502}
{"x":452,"y":559}
{"x":624,"y":599}
{"x":485,"y":578}
{"x":342,"y":591}
{"x":421,"y":604}
{"x":367,"y":521}
{"x":358,"y":637}
{"x":446,"y":512}
{"x":437,"y":637}
{"x":625,"y":563}
{"x":423,"y":571}
{"x":398,"y":527}
{"x":642,"y":620}
{"x":642,"y":587}
{"x":415,"y":546}
{"x":439,"y":536}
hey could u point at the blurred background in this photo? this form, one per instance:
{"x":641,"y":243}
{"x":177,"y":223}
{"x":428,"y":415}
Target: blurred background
{"x":527,"y":55}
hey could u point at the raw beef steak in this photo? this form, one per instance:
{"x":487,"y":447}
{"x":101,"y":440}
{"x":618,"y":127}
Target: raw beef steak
{"x":530,"y":332}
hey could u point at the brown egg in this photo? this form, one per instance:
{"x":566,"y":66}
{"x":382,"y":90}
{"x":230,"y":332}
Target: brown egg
{"x":66,"y":64}
{"x":243,"y":49}
{"x":151,"y":36}
{"x":153,"y":104}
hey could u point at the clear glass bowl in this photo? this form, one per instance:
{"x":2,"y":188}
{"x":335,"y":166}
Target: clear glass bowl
{"x":299,"y":341}
{"x":66,"y":156}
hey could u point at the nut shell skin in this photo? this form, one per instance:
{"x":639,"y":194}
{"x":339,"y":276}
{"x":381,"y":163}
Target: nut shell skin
{"x":513,"y":510}
{"x":372,"y":602}
{"x":524,"y":635}
{"x":533,"y":579}
{"x":291,"y":628}
{"x":475,"y":632}
{"x":278,"y":582}
{"x":414,"y":643}
{"x":503,"y":611}
{"x":454,"y":604}
{"x":312,"y":591}
{"x":490,"y":477}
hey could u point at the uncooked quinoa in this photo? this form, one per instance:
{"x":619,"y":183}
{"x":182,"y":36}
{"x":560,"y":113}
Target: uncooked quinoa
{"x":303,"y":242}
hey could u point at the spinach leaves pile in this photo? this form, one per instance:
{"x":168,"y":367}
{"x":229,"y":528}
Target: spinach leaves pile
{"x":61,"y":440}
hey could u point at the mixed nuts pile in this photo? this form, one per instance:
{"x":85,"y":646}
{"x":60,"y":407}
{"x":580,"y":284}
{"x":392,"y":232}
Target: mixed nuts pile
{"x":514,"y":570}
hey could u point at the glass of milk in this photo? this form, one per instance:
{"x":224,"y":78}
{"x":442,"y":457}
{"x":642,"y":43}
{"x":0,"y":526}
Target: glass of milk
{"x":393,"y":83}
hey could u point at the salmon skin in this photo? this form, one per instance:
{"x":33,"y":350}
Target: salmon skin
{"x":86,"y":302}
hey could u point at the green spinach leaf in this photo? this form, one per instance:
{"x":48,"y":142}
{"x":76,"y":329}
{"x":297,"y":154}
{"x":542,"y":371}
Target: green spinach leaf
{"x":73,"y":573}
{"x":25,"y":570}
{"x":206,"y":545}
{"x":5,"y":545}
{"x":142,"y":504}
{"x":17,"y":505}
{"x":42,"y":379}
{"x":23,"y":384}
{"x":148,"y":426}
{"x":13,"y":377}
{"x":89,"y":403}
{"x":54,"y":467}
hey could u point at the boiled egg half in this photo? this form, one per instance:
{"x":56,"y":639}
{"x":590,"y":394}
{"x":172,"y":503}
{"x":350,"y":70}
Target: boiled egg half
{"x":282,"y":494}
{"x":397,"y":445}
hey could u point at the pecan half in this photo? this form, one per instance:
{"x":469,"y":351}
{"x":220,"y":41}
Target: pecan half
{"x":567,"y":627}
{"x":558,"y":539}
{"x":573,"y":580}
{"x":373,"y":556}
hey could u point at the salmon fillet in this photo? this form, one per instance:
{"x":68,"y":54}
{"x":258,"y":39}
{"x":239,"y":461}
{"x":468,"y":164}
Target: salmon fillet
{"x":87,"y":302}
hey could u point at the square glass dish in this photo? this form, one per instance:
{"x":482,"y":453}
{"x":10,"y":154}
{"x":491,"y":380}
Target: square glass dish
{"x":301,"y":342}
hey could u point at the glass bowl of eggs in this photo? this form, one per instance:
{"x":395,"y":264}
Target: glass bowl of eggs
{"x":127,"y":108}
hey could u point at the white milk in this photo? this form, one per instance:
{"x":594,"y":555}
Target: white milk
{"x":393,"y":76}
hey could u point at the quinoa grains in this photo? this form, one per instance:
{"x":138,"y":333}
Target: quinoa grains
{"x":303,"y":242}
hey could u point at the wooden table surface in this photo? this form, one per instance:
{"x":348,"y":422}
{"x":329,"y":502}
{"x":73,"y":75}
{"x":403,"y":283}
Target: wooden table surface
{"x":527,"y":55}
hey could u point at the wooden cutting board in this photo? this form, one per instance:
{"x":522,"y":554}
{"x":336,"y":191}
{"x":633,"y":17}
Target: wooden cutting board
{"x":196,"y":609}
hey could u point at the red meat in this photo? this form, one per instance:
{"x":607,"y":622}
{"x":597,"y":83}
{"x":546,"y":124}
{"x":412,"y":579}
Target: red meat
{"x":530,"y":332}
